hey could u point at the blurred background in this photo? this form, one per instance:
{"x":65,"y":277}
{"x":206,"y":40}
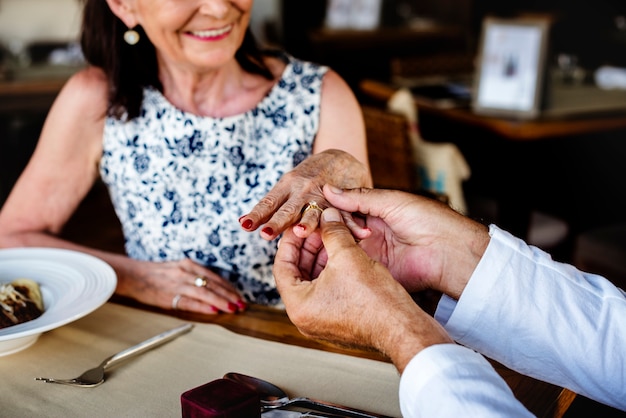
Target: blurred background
{"x":573,"y":177}
{"x":557,"y":183}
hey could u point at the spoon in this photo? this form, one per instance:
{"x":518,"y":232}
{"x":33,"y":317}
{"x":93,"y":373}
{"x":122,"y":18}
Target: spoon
{"x":273,"y":397}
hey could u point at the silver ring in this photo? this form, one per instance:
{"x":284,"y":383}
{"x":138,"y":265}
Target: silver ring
{"x":200,"y":282}
{"x":312,"y":205}
{"x":175,"y":301}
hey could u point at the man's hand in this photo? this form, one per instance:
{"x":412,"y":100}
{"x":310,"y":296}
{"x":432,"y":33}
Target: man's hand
{"x":424,"y":243}
{"x":334,"y":291}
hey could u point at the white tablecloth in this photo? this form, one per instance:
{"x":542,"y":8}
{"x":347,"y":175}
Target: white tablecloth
{"x":151,"y":384}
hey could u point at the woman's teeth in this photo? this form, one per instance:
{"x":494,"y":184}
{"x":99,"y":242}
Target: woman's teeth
{"x":212,"y":33}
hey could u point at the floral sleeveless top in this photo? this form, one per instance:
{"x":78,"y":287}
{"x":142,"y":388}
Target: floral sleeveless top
{"x":179,"y":182}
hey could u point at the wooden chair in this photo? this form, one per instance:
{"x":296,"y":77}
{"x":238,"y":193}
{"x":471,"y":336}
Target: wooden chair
{"x":389,"y":150}
{"x":390,"y":153}
{"x":94,"y":223}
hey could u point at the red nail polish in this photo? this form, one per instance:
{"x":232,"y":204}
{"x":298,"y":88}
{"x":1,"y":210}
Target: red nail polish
{"x":269,"y":231}
{"x":242,"y":305}
{"x":247,"y":224}
{"x":232,"y":307}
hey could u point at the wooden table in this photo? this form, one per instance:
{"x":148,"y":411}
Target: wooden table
{"x":567,"y":168}
{"x":31,"y":96}
{"x":34,"y":89}
{"x":511,"y":129}
{"x":542,"y":399}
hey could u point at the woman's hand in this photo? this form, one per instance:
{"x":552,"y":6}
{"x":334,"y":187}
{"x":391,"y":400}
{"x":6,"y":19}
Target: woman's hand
{"x":180,"y":285}
{"x":286,"y":203}
{"x":424,"y":243}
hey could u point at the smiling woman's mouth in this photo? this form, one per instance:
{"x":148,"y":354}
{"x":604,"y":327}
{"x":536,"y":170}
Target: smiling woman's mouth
{"x":213,"y":33}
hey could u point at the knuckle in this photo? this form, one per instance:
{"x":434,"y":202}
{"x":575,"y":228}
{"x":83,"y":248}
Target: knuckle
{"x":290,"y":207}
{"x":267,"y":204}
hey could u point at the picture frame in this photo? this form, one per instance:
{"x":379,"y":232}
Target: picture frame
{"x":511,"y":67}
{"x":353,"y":14}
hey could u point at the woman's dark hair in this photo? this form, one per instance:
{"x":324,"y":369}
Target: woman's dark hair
{"x":130,"y":68}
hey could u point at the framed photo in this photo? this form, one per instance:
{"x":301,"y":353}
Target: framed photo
{"x":353,"y":14}
{"x":511,"y":67}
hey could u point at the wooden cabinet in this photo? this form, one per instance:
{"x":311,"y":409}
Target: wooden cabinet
{"x":361,"y":54}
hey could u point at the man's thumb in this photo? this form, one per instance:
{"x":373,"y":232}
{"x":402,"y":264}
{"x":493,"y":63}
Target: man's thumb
{"x":335,"y":233}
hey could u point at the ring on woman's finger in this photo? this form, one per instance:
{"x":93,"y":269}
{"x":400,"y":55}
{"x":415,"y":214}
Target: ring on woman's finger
{"x":200,"y":281}
{"x":312,"y":205}
{"x":175,"y":301}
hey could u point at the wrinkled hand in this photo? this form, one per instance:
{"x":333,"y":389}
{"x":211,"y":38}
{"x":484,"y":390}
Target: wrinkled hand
{"x":424,"y":243}
{"x":283,"y":206}
{"x":158,"y":284}
{"x":353,"y":300}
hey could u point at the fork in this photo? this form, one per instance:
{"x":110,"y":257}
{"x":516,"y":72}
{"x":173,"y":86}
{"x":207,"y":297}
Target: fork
{"x":95,"y":377}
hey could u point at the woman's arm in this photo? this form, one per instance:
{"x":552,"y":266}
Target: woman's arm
{"x":341,"y":122}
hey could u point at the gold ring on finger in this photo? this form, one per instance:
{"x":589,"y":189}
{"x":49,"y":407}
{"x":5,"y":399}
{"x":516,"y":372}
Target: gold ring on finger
{"x":312,"y":205}
{"x":200,"y":281}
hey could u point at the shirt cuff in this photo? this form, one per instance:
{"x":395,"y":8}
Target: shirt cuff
{"x":425,"y":368}
{"x":445,"y":309}
{"x":457,"y":317}
{"x":447,"y":305}
{"x":451,"y":380}
{"x":429,"y":363}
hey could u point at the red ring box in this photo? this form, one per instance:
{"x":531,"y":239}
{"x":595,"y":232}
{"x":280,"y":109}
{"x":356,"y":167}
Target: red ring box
{"x":220,"y":398}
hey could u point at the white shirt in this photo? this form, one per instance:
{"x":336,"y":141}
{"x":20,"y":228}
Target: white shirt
{"x":536,"y":316}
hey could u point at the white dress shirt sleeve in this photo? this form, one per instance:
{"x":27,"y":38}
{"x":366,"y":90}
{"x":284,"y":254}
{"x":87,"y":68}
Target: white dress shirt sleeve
{"x":449,"y":380}
{"x":544,"y":319}
{"x":539,"y":317}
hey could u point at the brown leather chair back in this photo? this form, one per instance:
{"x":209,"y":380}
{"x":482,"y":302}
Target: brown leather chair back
{"x":389,"y":149}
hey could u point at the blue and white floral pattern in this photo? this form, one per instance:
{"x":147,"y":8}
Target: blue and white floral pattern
{"x":179,"y":182}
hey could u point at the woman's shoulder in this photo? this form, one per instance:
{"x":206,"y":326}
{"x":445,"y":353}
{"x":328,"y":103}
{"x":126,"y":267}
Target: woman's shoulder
{"x":88,"y":86}
{"x":75,"y":120}
{"x":90,"y":79}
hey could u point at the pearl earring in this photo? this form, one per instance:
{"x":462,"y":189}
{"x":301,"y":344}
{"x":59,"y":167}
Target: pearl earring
{"x":131,"y":37}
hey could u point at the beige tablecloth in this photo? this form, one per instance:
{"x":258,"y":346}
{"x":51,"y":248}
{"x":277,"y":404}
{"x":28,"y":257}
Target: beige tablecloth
{"x":151,"y":385}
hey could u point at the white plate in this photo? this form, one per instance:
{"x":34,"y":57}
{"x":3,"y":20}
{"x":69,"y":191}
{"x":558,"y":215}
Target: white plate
{"x":73,"y":284}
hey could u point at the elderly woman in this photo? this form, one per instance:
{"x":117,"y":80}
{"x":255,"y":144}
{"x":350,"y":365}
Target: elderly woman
{"x":190,"y":126}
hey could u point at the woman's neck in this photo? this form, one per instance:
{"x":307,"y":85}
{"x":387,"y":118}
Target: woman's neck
{"x":225,"y":91}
